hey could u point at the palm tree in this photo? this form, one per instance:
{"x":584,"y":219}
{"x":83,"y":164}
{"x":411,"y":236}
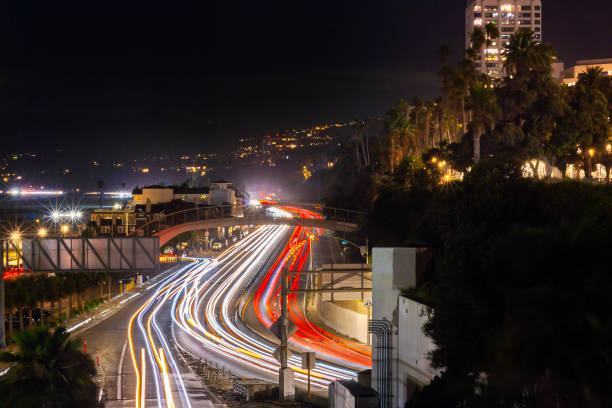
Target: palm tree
{"x":100,"y":192}
{"x":400,"y":132}
{"x":50,"y":371}
{"x":20,"y":296}
{"x":69,"y":288}
{"x":444,"y":52}
{"x":2,"y":311}
{"x":10,"y":302}
{"x":483,"y":104}
{"x":479,"y":39}
{"x":491,"y":32}
{"x":525,"y":54}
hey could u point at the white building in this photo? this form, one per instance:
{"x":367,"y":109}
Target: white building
{"x":162,"y":194}
{"x":510,"y":16}
{"x":404,"y":365}
{"x":570,"y":75}
{"x":222,"y":193}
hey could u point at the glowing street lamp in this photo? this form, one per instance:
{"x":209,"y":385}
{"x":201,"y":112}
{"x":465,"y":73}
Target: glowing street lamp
{"x":15,"y":236}
{"x":65,"y":229}
{"x":42,"y":232}
{"x":591,"y":152}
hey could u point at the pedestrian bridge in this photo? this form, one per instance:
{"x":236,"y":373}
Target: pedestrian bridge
{"x":168,"y":226}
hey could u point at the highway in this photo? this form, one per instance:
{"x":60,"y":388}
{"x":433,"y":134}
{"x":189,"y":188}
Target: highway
{"x":198,"y":307}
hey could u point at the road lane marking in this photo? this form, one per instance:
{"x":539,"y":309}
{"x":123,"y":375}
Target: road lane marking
{"x":120,"y":369}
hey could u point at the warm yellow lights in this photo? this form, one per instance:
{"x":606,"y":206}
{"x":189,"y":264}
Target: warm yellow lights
{"x":433,"y":160}
{"x":65,"y":228}
{"x":42,"y":232}
{"x":608,"y":147}
{"x":591,"y":152}
{"x":15,"y":236}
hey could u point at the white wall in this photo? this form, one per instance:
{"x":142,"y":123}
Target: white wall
{"x":344,"y":321}
{"x":413,"y":347}
{"x":394,"y":269}
{"x":222,"y":197}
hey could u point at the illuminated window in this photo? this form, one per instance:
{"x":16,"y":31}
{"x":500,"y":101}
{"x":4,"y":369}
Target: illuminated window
{"x":477,"y":8}
{"x":507,"y":7}
{"x":491,"y":51}
{"x":478,"y":21}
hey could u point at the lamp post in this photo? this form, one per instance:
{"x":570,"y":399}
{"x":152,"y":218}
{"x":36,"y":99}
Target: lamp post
{"x":311,"y":237}
{"x":591,"y":152}
{"x":363,"y":249}
{"x":2,"y":333}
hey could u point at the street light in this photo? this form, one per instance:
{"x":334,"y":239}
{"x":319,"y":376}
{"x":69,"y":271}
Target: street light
{"x":15,"y":236}
{"x":591,"y":152}
{"x":42,"y":232}
{"x":310,"y":238}
{"x":65,"y":229}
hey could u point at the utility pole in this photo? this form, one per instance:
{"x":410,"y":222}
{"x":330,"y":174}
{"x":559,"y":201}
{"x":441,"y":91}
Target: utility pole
{"x":2,"y":269}
{"x":285,"y":375}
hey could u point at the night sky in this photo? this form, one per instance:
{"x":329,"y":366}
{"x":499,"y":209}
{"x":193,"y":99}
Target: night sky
{"x":123,"y":79}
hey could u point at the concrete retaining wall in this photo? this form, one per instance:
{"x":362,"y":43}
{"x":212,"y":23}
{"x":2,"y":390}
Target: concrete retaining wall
{"x":344,"y":321}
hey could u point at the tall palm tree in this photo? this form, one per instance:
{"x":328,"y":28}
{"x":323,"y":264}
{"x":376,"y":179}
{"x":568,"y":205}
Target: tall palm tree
{"x":491,"y":33}
{"x":400,"y":132}
{"x":483,"y":104}
{"x":69,"y":288}
{"x":10,"y":302}
{"x":525,"y":54}
{"x":50,"y":371}
{"x":20,"y":296}
{"x":100,"y":192}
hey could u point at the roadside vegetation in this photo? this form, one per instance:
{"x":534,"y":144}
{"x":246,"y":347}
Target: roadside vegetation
{"x":499,"y":178}
{"x":39,"y":299}
{"x":49,"y":370}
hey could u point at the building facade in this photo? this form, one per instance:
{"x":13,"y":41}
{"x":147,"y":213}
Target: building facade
{"x":510,"y":16}
{"x":570,"y":75}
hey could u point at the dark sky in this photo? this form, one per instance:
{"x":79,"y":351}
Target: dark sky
{"x":122,"y":77}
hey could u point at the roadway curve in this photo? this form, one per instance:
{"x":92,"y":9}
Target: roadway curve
{"x":197,"y":307}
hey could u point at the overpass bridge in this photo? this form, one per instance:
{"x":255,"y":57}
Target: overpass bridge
{"x":169,"y":226}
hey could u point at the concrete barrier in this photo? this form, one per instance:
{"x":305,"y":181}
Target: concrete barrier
{"x":345,"y":321}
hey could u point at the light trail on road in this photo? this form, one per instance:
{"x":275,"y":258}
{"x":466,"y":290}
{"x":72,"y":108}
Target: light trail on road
{"x":202,"y":297}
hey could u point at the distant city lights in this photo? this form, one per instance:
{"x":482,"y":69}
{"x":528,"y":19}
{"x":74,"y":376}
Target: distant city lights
{"x":18,"y":192}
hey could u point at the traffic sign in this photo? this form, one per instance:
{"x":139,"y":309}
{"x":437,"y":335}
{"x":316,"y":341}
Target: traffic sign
{"x":308,"y":360}
{"x":275,"y":328}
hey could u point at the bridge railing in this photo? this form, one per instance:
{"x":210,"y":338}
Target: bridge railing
{"x":242,"y":213}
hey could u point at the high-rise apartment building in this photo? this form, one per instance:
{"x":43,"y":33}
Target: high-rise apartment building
{"x":510,"y":16}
